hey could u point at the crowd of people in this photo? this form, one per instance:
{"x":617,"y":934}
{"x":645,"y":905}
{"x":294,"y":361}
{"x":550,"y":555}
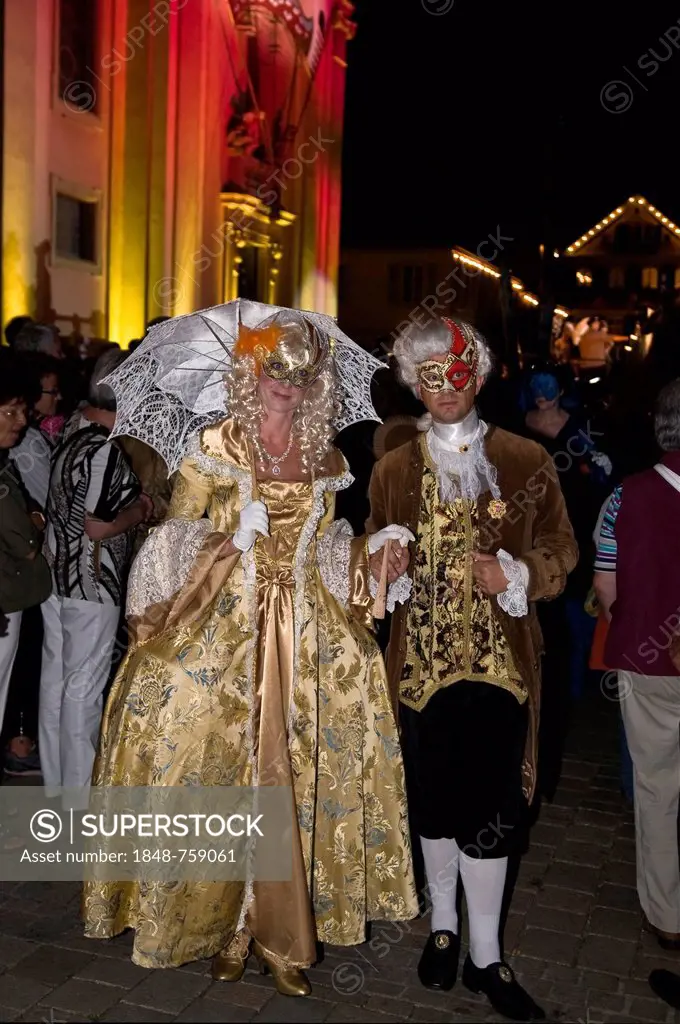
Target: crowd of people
{"x":515,"y":528}
{"x":65,"y":554}
{"x":587,"y":341}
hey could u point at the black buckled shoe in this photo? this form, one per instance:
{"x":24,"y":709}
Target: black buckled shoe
{"x":504,"y":992}
{"x":438,"y":967}
{"x":666,"y":985}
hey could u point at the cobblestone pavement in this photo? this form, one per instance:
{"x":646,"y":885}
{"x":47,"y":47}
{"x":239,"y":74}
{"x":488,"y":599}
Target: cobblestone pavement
{"x":574,"y":936}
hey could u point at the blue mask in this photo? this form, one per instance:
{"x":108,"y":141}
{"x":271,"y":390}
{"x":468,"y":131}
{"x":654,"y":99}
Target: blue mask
{"x":544,"y":385}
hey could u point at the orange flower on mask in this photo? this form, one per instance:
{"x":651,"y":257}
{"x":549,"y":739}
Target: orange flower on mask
{"x":258,"y":342}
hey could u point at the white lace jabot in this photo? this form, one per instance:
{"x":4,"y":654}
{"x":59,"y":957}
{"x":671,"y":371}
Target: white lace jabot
{"x":458,"y":452}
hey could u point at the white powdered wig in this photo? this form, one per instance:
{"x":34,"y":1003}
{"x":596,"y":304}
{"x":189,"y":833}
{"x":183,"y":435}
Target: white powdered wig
{"x":417,"y":344}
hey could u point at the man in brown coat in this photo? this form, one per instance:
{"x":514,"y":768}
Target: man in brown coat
{"x":492,"y":537}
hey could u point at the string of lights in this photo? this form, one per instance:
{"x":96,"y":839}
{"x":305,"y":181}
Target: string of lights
{"x":488,"y":268}
{"x":615,"y":214}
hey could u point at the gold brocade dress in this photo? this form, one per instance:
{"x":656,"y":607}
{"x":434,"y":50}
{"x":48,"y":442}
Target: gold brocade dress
{"x":254,"y":673}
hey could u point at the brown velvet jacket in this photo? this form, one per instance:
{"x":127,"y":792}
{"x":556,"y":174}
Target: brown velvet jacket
{"x":535,"y":528}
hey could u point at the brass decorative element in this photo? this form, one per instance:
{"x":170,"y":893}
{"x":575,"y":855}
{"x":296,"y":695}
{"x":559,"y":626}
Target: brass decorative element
{"x":505,"y":974}
{"x":442,"y":941}
{"x":497,"y":508}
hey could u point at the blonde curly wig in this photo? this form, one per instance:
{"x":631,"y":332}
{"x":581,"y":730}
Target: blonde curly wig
{"x":312,"y":430}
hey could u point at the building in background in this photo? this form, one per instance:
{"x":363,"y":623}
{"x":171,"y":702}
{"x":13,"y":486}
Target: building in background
{"x":624,"y":265}
{"x":161,"y":156}
{"x":381,"y":290}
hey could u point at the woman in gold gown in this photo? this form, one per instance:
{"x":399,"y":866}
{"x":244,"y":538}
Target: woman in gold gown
{"x":251,"y":664}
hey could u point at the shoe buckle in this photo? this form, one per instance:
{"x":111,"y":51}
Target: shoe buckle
{"x":442,"y":941}
{"x":505,"y":974}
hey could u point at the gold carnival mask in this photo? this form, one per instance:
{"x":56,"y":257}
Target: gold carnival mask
{"x":287,"y":348}
{"x":458,"y":372}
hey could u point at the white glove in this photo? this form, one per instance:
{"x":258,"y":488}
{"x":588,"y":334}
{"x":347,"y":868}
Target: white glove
{"x":253,"y":520}
{"x":603,"y":461}
{"x":393,"y":532}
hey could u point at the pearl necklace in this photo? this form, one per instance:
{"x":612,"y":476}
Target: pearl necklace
{"x":275,"y":460}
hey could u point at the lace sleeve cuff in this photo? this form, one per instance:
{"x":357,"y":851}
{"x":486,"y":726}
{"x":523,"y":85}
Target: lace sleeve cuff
{"x":162,"y":566}
{"x":514,"y":599}
{"x":397,"y":592}
{"x":334,"y":553}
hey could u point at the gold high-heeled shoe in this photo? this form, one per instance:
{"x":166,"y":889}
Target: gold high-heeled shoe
{"x":289,"y":980}
{"x":230,"y":963}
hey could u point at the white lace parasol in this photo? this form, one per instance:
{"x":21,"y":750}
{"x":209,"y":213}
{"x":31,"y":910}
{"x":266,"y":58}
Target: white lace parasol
{"x":172,"y":385}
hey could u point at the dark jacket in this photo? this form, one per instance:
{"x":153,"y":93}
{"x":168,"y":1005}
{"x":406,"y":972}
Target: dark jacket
{"x":24,"y":574}
{"x":535,"y":528}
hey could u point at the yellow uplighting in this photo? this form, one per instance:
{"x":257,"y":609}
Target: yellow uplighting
{"x":517,"y":285}
{"x":558,"y":311}
{"x":530,"y":298}
{"x":641,"y":202}
{"x":628,"y":348}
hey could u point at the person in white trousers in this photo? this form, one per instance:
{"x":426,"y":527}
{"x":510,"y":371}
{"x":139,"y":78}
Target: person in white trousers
{"x":637,"y":580}
{"x":94,"y":503}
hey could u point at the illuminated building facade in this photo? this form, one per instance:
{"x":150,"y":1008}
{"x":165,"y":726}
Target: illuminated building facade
{"x":626,"y":261}
{"x":161,"y":156}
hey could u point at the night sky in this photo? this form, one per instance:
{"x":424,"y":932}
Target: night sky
{"x":492,"y":114}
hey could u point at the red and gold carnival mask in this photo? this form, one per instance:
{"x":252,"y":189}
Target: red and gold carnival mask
{"x":286,"y":348}
{"x":458,"y":372}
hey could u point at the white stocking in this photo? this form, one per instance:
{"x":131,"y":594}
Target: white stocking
{"x":441,"y":869}
{"x":484,"y":883}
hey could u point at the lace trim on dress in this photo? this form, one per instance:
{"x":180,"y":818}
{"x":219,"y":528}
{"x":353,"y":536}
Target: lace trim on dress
{"x":307,"y":534}
{"x":218,"y":467}
{"x":162,"y":566}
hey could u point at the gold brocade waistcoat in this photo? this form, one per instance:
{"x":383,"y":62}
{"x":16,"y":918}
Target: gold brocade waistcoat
{"x":451,"y":632}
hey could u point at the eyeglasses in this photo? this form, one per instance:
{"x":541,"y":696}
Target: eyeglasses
{"x":50,"y":391}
